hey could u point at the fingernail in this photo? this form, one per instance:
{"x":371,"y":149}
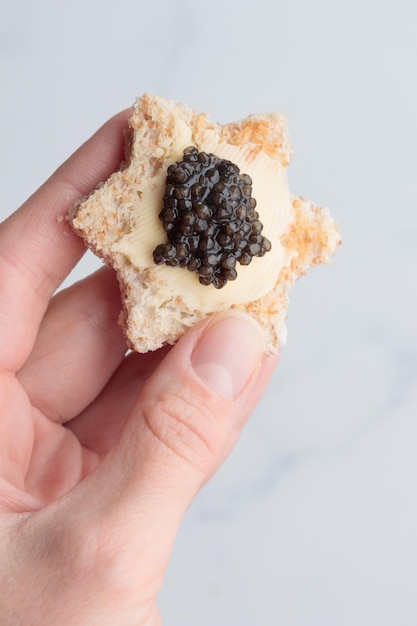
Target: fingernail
{"x":227,"y":353}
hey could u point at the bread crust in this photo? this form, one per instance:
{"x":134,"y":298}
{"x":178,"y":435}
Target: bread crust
{"x":149,"y":319}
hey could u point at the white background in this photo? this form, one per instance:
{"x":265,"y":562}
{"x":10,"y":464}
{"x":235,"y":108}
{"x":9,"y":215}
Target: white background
{"x":312,"y":521}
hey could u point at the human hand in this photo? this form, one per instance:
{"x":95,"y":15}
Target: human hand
{"x":101,"y":451}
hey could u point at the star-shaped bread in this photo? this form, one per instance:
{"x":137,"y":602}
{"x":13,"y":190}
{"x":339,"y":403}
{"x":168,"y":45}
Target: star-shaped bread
{"x":177,"y":220}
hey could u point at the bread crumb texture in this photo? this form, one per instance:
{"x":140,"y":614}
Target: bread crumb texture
{"x":119,"y":222}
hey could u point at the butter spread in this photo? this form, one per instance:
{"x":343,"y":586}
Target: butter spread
{"x":271,"y":190}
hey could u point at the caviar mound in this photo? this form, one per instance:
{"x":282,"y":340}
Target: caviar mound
{"x":210,"y":218}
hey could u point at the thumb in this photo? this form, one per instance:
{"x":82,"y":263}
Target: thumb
{"x":185,"y":422}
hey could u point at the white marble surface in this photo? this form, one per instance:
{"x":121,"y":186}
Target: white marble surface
{"x":312,"y":521}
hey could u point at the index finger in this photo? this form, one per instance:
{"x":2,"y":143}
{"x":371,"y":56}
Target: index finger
{"x":37,"y":246}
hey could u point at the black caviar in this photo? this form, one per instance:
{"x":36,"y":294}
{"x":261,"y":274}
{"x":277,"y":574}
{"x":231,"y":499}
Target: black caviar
{"x":210,"y":218}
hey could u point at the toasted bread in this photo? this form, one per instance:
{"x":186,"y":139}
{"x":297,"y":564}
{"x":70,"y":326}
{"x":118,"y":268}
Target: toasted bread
{"x":119,"y":222}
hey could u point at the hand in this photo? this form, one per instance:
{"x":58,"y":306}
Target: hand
{"x":101,"y":452}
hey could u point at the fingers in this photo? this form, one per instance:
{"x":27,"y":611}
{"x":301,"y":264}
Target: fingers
{"x":98,"y":427}
{"x":185,"y":421}
{"x":78,"y":348}
{"x":37,"y":246}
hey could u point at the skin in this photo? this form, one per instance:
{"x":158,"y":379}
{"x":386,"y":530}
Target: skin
{"x":101,"y":451}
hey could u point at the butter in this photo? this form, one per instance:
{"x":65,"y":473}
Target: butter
{"x":269,"y":188}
